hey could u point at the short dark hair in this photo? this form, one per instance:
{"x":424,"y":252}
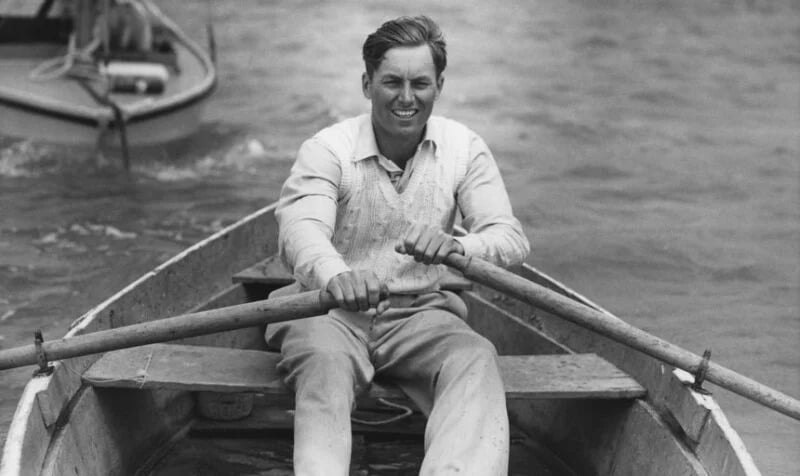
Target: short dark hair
{"x":405,"y":31}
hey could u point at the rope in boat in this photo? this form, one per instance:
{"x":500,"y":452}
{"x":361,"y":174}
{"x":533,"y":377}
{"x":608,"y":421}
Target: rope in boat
{"x":406,"y":412}
{"x":76,"y":62}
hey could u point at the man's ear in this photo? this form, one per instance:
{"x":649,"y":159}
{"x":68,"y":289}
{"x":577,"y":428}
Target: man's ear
{"x":439,"y":85}
{"x":365,"y":84}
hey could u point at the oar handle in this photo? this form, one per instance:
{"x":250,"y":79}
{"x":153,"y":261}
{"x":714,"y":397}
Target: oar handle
{"x":504,"y":281}
{"x":298,"y":306}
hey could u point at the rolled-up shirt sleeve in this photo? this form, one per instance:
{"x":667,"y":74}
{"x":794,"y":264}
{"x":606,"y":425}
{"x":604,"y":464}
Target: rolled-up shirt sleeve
{"x":306,"y":215}
{"x":493,"y":233}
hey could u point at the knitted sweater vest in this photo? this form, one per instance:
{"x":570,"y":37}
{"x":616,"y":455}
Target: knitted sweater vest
{"x":372,"y":216}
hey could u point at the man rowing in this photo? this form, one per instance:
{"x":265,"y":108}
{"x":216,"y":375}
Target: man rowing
{"x":367,"y":214}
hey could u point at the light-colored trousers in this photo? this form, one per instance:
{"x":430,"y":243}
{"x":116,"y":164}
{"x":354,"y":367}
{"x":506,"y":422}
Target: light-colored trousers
{"x":423,"y":345}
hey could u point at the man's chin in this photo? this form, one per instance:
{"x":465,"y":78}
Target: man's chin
{"x":408,"y":126}
{"x":402,"y":127}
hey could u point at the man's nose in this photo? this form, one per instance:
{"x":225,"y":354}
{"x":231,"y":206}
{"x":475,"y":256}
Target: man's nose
{"x":407,"y":94}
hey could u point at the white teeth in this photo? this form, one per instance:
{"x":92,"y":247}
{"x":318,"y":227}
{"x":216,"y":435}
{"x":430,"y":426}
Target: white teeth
{"x":404,"y":113}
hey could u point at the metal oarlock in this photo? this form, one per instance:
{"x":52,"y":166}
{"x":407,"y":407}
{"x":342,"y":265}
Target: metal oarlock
{"x":45,"y":368}
{"x":700,"y":373}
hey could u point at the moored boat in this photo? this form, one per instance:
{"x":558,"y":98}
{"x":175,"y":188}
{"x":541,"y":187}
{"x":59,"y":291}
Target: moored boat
{"x":100,"y":73}
{"x":579,"y":402}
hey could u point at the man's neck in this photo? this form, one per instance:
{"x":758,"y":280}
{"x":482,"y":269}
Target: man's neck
{"x":398,"y":149}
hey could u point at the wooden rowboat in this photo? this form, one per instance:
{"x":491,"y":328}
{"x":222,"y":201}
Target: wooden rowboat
{"x":62,"y":84}
{"x":579,"y":402}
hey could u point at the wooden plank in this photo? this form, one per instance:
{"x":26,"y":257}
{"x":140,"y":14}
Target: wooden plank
{"x":565,"y":376}
{"x":270,"y":271}
{"x":180,"y":367}
{"x":231,"y":370}
{"x":689,"y":408}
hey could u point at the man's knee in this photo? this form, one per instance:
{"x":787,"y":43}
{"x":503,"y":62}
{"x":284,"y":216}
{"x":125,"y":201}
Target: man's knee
{"x":322,"y":371}
{"x":475,"y":348}
{"x":476,"y":356}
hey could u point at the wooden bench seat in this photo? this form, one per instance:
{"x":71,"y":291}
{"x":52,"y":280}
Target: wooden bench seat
{"x":218,"y":369}
{"x":270,"y":271}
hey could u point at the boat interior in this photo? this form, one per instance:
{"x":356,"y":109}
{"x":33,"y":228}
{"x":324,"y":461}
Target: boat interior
{"x":230,"y":412}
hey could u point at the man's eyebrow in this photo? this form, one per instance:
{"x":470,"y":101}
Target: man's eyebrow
{"x":420,"y":77}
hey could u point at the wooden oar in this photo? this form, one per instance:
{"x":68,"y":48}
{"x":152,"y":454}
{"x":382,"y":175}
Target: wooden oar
{"x":504,"y":281}
{"x":312,"y":303}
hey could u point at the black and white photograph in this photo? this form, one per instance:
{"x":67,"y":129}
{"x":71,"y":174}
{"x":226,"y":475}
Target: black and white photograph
{"x":375,"y":238}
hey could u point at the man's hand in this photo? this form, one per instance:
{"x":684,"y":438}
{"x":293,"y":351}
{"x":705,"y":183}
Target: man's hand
{"x":429,"y":245}
{"x":358,"y":291}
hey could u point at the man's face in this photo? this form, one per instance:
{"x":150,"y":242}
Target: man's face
{"x":403,"y":90}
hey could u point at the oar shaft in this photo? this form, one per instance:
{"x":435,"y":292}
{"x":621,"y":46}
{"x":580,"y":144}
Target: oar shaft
{"x":281,"y":309}
{"x":497,"y":278}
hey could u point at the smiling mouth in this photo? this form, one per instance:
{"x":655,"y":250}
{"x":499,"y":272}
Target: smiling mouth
{"x":404,"y":113}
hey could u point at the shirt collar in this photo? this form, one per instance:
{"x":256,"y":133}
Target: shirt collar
{"x":367,"y":146}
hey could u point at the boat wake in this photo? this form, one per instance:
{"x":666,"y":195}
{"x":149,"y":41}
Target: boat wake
{"x":32,"y":159}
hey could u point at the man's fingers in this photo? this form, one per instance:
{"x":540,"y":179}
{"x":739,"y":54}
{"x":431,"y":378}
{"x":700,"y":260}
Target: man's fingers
{"x":409,"y":242}
{"x":382,"y":307}
{"x":359,"y":294}
{"x":349,"y":295}
{"x":434,"y":247}
{"x":422,"y":243}
{"x":341,"y":287}
{"x":384,"y":291}
{"x":357,"y":290}
{"x":445,"y":249}
{"x":373,"y":292}
{"x":336,"y":291}
{"x":342,"y":291}
{"x":428,"y":244}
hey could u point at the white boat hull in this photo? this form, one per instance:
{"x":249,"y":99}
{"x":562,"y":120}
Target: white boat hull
{"x":62,"y":109}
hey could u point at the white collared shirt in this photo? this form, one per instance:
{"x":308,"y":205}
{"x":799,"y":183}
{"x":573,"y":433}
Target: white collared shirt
{"x":310,"y":196}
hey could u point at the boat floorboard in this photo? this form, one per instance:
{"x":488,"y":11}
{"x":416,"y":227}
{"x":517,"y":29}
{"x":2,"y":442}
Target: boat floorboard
{"x":373,"y":455}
